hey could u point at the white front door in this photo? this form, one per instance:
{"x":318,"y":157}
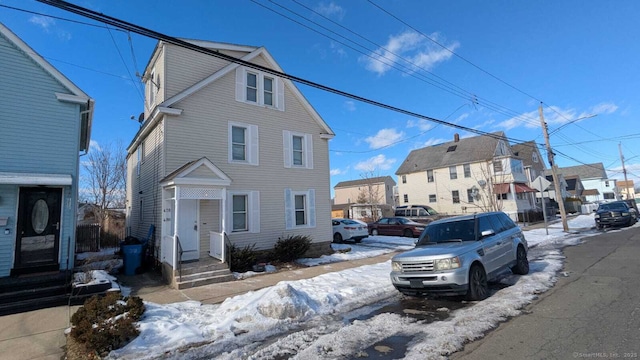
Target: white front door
{"x":188,"y":229}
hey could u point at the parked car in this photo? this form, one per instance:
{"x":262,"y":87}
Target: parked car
{"x":419,"y":213}
{"x":396,"y":226}
{"x":347,"y":229}
{"x":459,"y":255}
{"x":615,"y":213}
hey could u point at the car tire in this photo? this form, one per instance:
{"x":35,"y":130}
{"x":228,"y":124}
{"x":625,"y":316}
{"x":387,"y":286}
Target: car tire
{"x":522,"y":263}
{"x":337,"y":238}
{"x":358,"y":240}
{"x":407,"y":233}
{"x":599,"y":227}
{"x":478,"y":286}
{"x":374,"y":232}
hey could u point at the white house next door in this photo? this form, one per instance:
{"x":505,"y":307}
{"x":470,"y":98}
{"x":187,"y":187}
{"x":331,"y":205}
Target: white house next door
{"x":188,"y":229}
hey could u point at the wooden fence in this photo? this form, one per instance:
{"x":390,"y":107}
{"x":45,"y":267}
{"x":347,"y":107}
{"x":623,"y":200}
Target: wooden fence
{"x":91,"y":238}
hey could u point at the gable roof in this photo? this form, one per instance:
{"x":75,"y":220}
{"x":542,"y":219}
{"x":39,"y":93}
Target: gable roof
{"x":588,"y":171}
{"x":374,"y":180}
{"x":525,"y":152}
{"x":197,"y":172}
{"x":253,"y":52}
{"x":465,"y":150}
{"x":77,"y":95}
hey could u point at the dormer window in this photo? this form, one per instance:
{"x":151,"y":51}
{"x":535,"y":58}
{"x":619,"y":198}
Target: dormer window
{"x":534,"y":157}
{"x":258,"y":88}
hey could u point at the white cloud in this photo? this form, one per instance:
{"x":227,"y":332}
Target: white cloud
{"x":411,"y":47}
{"x":379,"y":162}
{"x":48,"y":24}
{"x":421,"y":124}
{"x":334,"y":172}
{"x":331,"y":10}
{"x":384,"y":137}
{"x":337,"y":49}
{"x":93,"y":145}
{"x":555,"y":116}
{"x":604,"y":108}
{"x":435,"y":141}
{"x":350,"y":105}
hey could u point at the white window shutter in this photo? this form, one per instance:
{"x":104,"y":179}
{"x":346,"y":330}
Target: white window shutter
{"x":240,"y":83}
{"x":308,"y":142}
{"x":288,"y":209}
{"x":286,"y":136}
{"x":253,"y":145}
{"x":254,"y":215}
{"x":312,"y":207}
{"x":280,"y":94}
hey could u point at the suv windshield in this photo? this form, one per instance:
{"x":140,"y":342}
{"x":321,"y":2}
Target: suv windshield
{"x":613,"y":206}
{"x":463,"y":230}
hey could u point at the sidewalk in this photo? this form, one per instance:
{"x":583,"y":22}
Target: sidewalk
{"x":40,"y":335}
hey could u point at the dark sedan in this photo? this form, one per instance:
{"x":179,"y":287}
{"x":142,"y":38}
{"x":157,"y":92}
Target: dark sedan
{"x":396,"y":226}
{"x":616,"y":213}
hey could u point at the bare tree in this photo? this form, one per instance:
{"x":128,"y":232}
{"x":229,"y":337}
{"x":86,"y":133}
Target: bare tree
{"x":370,"y":194}
{"x":105,"y":174}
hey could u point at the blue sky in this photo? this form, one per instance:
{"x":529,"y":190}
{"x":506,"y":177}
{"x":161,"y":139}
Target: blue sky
{"x":483,"y":65}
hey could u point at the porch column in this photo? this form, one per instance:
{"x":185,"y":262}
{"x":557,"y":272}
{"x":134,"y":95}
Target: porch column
{"x":176,"y":254}
{"x":223,"y":215}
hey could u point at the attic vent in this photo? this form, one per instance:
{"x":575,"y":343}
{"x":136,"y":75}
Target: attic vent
{"x":452,"y":148}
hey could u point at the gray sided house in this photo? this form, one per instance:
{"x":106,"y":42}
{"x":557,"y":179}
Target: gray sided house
{"x":226,"y":154}
{"x":595,"y":182}
{"x":46,"y":125}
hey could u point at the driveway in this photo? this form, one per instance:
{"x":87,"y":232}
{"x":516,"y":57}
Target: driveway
{"x":592,"y":312}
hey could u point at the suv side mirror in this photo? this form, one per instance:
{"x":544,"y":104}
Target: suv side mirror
{"x":487,"y":233}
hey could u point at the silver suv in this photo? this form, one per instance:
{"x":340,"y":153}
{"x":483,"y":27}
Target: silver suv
{"x":458,"y":255}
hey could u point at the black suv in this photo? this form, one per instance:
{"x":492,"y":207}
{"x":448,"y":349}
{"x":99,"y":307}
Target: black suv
{"x":616,"y":213}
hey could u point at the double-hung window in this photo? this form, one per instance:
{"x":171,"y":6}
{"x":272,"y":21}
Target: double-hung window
{"x":467,"y":170}
{"x":259,"y":88}
{"x":244,"y":210}
{"x":243,"y":143}
{"x":300,"y":209}
{"x":453,"y":173}
{"x":298,"y":150}
{"x":430,"y":176}
{"x":455,"y":195}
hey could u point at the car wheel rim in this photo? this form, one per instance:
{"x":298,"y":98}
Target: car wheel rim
{"x":479,"y":283}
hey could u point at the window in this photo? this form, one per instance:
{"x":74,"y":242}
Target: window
{"x":404,"y":179}
{"x":497,"y":166}
{"x":453,"y":172}
{"x":298,"y":150}
{"x":432,"y":198}
{"x":467,"y":170}
{"x":268,"y":91}
{"x":452,"y":148}
{"x":501,"y":196}
{"x":609,"y":196}
{"x":430,"y":176}
{"x":534,"y":157}
{"x":455,"y":195}
{"x":516,"y":166}
{"x":300,"y":209}
{"x":252,"y":87}
{"x":244,"y":211}
{"x":243,"y":143}
{"x":258,"y":88}
{"x":521,"y":196}
{"x":606,"y":184}
{"x":153,"y":85}
{"x":470,"y":194}
{"x":406,"y":198}
{"x":238,"y":143}
{"x":239,"y":213}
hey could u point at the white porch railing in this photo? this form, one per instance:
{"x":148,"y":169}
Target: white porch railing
{"x":216,"y":243}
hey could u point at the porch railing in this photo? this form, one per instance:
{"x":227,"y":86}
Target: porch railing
{"x":179,"y":259}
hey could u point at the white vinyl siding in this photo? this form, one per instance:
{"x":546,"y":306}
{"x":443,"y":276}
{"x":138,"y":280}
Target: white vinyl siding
{"x":244,"y":211}
{"x":258,"y":88}
{"x":243,"y":146}
{"x":300,"y":209}
{"x":298,"y":150}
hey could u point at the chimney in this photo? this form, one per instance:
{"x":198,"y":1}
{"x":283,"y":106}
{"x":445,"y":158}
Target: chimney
{"x":456,"y":137}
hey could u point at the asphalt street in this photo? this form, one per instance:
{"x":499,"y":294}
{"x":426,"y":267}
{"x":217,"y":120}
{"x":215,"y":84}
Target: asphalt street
{"x":593,"y":312}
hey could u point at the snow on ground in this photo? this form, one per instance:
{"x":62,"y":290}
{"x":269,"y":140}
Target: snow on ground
{"x":234,"y":328}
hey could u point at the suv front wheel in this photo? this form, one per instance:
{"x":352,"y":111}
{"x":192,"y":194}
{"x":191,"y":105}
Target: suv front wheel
{"x":478,"y":286}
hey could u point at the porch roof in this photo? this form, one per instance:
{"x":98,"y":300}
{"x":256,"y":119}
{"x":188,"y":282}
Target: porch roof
{"x":504,"y":188}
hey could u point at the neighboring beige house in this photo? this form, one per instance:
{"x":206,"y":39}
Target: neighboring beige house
{"x":626,"y":189}
{"x":365,"y":199}
{"x":227,"y":154}
{"x":466,"y":175}
{"x":596,"y":184}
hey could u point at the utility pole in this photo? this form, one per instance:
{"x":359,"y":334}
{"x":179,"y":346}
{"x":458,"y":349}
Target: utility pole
{"x":554,"y":168}
{"x":624,"y":171}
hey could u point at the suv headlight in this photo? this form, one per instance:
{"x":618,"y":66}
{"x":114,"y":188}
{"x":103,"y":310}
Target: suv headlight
{"x":447,"y":264}
{"x":625,"y":214}
{"x":596,"y":216}
{"x":396,"y":266}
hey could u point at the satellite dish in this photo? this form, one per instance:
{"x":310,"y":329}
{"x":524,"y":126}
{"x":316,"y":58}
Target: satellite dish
{"x":141,"y":118}
{"x":482,"y":183}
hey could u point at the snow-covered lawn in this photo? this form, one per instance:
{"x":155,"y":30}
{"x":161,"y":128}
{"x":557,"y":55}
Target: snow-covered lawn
{"x":231,"y":329}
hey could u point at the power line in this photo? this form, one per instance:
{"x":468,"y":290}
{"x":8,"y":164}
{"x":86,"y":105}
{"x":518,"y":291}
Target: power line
{"x":178,"y":42}
{"x":54,"y":17}
{"x":125,"y":63}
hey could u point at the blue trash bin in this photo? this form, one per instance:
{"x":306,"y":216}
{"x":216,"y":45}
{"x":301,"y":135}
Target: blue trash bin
{"x":132,"y":258}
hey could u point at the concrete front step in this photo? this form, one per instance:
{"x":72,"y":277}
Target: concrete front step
{"x":195,"y":280}
{"x":200,"y":267}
